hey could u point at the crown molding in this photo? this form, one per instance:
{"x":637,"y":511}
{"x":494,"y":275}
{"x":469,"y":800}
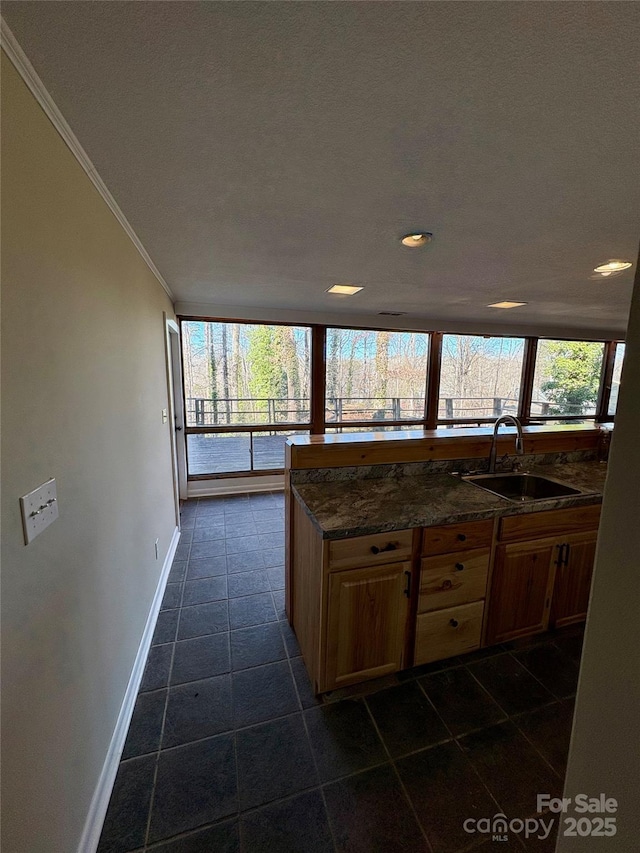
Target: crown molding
{"x":37,"y":88}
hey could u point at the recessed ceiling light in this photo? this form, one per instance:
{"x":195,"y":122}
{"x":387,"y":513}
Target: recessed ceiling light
{"x":506,"y":304}
{"x":611,"y":266}
{"x":413,"y":241}
{"x":344,"y":289}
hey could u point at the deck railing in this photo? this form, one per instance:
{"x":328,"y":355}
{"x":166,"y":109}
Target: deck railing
{"x":220,"y":411}
{"x":235,"y":411}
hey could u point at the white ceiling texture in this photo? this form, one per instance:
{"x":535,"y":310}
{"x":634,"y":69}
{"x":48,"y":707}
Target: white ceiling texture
{"x":264,"y":151}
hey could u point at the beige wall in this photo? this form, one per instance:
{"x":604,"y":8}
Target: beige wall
{"x":83,"y":386}
{"x":605,"y":746}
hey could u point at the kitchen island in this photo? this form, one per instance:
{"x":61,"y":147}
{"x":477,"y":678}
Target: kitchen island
{"x":393,"y":566}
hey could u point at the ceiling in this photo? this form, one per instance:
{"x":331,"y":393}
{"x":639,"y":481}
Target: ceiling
{"x":265,"y":151}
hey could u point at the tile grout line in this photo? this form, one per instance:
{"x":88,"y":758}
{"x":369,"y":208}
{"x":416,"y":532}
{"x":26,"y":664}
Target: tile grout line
{"x":405,"y":793}
{"x":533,"y":675}
{"x":235,"y":759}
{"x":164,"y":715}
{"x":509,"y":719}
{"x":322,"y":793}
{"x":531,"y":710}
{"x":472,"y":845}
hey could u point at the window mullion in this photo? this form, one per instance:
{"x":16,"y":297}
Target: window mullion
{"x":432,"y":395}
{"x":526,"y":380}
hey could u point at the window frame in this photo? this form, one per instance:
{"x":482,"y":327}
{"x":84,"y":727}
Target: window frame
{"x":606,"y":381}
{"x":449,"y":422}
{"x":305,"y":426}
{"x":601,"y":395}
{"x":417,"y":423}
{"x":318,"y":425}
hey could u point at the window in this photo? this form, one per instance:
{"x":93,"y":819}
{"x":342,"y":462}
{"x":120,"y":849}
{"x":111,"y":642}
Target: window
{"x":238,"y":376}
{"x":615,"y":380}
{"x":566,"y":381}
{"x":374,"y":376}
{"x":480,"y":377}
{"x":241,"y":373}
{"x":249,"y":386}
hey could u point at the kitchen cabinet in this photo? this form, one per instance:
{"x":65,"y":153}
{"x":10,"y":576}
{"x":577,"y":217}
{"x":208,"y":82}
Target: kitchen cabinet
{"x":351,"y":602}
{"x":539,"y":580}
{"x":366,"y":622}
{"x":363,"y":607}
{"x":522,"y":584}
{"x":573,"y":579}
{"x":453,"y":581}
{"x":445,"y":633}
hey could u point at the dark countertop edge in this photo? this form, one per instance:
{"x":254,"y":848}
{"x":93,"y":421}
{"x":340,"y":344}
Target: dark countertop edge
{"x":586,"y":498}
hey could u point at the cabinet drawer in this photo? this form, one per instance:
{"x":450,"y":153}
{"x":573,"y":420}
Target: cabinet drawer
{"x":535,"y":525}
{"x":456,"y":537}
{"x":450,"y":579}
{"x":449,"y":632}
{"x":370,"y":550}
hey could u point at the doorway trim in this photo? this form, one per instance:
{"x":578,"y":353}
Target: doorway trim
{"x":176,"y":411}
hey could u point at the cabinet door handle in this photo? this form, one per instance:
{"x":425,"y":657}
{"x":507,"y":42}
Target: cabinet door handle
{"x":454,"y":623}
{"x":459,"y":567}
{"x":462,"y":537}
{"x":390,"y":546}
{"x":560,"y":558}
{"x":407,"y":590}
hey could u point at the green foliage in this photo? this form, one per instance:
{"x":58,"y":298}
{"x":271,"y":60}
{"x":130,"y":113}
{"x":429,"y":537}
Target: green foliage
{"x":574,"y":370}
{"x":267,"y":377}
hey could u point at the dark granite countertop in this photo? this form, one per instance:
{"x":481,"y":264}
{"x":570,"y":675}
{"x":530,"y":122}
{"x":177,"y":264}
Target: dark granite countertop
{"x":340,"y":509}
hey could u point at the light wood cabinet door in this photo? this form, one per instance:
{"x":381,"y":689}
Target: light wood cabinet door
{"x":521,"y":589}
{"x":573,"y":579}
{"x":366,"y":623}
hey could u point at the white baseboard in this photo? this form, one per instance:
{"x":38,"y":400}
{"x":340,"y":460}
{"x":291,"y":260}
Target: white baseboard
{"x":235,"y":486}
{"x":102,"y":793}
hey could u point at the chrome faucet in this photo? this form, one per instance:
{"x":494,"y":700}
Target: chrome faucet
{"x":494,"y":441}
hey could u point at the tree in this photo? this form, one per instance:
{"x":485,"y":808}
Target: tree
{"x":213,"y":372}
{"x":574,"y":376}
{"x":382,"y":364}
{"x":225,"y":371}
{"x":267,"y":377}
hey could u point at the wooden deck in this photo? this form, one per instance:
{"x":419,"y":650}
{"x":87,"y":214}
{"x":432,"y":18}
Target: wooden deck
{"x":219,"y":453}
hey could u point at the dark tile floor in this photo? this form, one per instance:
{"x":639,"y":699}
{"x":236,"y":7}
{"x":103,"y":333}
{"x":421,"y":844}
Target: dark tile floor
{"x":229,"y":750}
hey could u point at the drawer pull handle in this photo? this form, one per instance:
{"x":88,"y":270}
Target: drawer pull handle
{"x":454,"y":623}
{"x":459,"y":567}
{"x":390,"y":546}
{"x":462,"y":537}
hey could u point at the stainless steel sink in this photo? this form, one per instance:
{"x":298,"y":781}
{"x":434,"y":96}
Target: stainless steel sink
{"x":521,"y":487}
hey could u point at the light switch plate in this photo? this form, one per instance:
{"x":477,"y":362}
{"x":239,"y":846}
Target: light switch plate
{"x":39,"y":510}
